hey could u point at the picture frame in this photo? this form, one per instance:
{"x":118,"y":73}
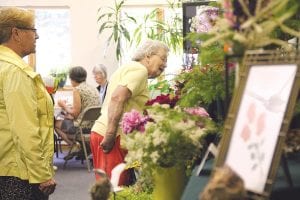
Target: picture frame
{"x":190,"y":11}
{"x":259,"y":117}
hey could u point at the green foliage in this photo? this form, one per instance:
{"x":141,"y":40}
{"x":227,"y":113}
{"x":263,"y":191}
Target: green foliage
{"x":212,"y":55}
{"x":169,"y":32}
{"x":111,"y":20}
{"x":297,"y":107}
{"x":168,"y":131}
{"x":130,"y":193}
{"x":162,"y":86}
{"x":202,"y":86}
{"x":60,"y":75}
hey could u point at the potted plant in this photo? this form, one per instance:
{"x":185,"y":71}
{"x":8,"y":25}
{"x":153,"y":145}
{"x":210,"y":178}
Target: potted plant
{"x":163,"y":141}
{"x":60,"y":75}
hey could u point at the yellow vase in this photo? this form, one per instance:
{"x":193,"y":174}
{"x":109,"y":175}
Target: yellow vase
{"x":169,"y":183}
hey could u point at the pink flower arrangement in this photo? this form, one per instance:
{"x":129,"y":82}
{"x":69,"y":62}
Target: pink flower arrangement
{"x":133,"y":121}
{"x":204,"y":19}
{"x":155,"y":138}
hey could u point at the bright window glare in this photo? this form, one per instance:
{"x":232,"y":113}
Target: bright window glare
{"x":53,"y":46}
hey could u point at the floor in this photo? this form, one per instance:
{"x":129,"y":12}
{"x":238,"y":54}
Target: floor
{"x":73,"y":182}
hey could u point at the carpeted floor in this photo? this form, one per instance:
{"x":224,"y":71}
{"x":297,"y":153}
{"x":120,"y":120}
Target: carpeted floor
{"x":73,"y":182}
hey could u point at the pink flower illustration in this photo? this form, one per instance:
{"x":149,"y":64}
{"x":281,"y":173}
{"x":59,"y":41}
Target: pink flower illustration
{"x":251,"y":112}
{"x":260,"y":123}
{"x":246,"y":132}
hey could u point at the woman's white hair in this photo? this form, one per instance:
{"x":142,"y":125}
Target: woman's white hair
{"x":100,"y":68}
{"x":147,"y":48}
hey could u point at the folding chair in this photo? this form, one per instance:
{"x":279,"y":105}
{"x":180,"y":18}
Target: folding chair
{"x":90,"y":114}
{"x":57,"y":144}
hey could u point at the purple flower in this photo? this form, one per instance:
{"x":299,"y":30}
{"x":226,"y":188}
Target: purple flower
{"x":199,"y":111}
{"x":204,"y":19}
{"x":133,"y":121}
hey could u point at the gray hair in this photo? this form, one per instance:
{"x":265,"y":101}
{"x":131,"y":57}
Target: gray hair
{"x":149,"y":47}
{"x":14,"y":17}
{"x":100,"y":68}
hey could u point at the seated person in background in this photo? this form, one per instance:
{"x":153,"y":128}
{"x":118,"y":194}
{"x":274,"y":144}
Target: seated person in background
{"x":100,"y":76}
{"x":84,"y":96}
{"x":225,"y":184}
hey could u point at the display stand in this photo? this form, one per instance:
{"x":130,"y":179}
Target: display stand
{"x":259,"y":117}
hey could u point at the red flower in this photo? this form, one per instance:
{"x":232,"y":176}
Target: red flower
{"x":164,"y":99}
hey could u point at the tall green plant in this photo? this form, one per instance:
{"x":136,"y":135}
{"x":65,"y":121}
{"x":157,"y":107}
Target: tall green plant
{"x":111,"y":20}
{"x":169,"y":32}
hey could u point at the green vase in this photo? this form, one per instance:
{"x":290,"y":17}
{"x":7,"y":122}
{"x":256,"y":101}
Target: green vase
{"x":169,"y":183}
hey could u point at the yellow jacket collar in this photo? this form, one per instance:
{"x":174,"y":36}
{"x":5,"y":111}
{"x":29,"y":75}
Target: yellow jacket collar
{"x":8,"y":55}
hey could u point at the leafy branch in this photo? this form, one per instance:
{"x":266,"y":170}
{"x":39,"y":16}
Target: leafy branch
{"x":112,"y":20}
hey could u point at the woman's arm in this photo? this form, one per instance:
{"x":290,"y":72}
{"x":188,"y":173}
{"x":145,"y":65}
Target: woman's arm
{"x":115,"y":111}
{"x":74,"y":111}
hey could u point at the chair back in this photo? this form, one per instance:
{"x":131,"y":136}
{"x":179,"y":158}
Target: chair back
{"x":90,"y":114}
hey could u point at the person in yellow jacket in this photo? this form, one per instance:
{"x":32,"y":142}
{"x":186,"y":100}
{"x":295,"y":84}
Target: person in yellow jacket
{"x":26,"y":114}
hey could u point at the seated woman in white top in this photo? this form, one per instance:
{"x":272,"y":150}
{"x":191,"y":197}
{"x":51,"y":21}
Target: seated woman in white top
{"x":84,"y":96}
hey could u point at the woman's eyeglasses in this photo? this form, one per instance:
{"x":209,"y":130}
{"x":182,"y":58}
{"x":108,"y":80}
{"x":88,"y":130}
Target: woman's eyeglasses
{"x":27,"y":28}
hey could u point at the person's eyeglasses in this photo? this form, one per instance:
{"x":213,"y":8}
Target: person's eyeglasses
{"x":164,"y":59}
{"x":27,"y":28}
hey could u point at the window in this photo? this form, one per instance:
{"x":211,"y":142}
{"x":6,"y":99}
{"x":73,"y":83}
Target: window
{"x":53,"y":46}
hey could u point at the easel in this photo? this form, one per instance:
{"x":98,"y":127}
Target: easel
{"x":256,"y":65}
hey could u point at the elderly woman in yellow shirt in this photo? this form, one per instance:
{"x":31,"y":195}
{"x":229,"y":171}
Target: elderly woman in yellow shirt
{"x":26,"y":114}
{"x":127,"y":90}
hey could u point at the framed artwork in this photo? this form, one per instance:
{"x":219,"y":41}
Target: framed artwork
{"x":197,"y":17}
{"x":193,"y":13}
{"x":259,"y":117}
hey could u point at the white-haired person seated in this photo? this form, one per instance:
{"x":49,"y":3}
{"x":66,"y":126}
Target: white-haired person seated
{"x":100,"y":76}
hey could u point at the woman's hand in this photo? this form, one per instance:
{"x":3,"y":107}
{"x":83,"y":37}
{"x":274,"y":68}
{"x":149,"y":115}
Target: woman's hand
{"x":62,"y":103}
{"x":108,"y":142}
{"x":48,"y":187}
